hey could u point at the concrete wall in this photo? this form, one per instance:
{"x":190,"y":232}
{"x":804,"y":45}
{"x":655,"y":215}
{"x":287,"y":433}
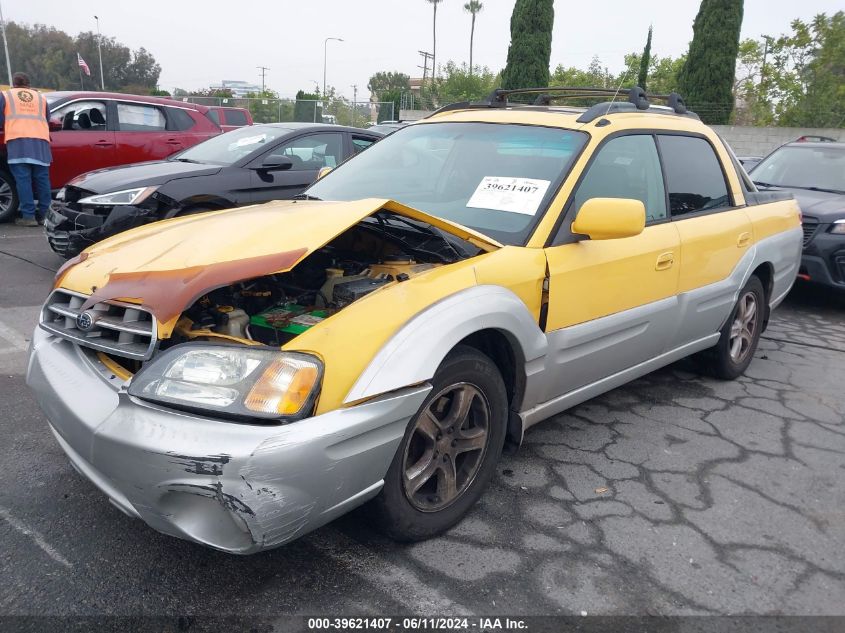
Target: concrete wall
{"x":745,"y":140}
{"x":759,"y":141}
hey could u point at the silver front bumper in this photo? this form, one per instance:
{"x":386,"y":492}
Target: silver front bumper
{"x":235,"y":487}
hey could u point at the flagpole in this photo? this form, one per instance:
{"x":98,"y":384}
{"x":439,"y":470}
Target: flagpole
{"x":81,"y":83}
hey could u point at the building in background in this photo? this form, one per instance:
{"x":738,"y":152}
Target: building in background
{"x":238,"y":88}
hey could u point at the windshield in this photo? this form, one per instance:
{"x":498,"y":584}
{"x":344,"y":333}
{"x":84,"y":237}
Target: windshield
{"x":228,"y":148}
{"x":807,"y":167}
{"x":496,"y":179}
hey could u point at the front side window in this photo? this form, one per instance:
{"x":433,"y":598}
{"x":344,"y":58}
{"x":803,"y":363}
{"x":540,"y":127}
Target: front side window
{"x":134,"y":117}
{"x":85,"y":116}
{"x":497,"y":179}
{"x":803,"y":167}
{"x":312,"y":152}
{"x":626,"y":167}
{"x":693,"y":175}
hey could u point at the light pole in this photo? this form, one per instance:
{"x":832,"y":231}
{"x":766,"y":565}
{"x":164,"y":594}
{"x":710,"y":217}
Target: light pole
{"x":325,"y":50}
{"x":100,"y":53}
{"x":6,"y":46}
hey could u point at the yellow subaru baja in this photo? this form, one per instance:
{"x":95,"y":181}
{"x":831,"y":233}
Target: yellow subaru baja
{"x":242,"y":377}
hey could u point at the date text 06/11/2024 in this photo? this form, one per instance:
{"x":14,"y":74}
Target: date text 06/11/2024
{"x":480,"y":624}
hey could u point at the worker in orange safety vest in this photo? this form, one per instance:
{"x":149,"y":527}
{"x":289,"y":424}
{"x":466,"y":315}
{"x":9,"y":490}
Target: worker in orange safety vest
{"x":27,"y":137}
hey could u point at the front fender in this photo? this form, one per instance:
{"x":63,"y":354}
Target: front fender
{"x":415,"y":351}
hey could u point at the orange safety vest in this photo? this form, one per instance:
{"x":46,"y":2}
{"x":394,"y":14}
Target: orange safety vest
{"x":24,"y":114}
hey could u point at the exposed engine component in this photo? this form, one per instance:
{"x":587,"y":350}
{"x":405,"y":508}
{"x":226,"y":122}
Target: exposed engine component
{"x":349,"y":291}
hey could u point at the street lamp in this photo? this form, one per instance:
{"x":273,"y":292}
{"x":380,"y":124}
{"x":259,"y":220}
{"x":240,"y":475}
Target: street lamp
{"x":100,"y":53}
{"x":325,"y":49}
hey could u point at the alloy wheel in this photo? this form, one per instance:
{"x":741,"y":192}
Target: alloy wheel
{"x":743,"y":327}
{"x":446,"y":447}
{"x":6,"y":196}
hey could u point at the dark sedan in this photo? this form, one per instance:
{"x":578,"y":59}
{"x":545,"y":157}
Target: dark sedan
{"x":815,"y":174}
{"x":245,"y":166}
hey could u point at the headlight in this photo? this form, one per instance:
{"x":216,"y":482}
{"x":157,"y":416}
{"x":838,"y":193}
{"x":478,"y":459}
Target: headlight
{"x":838,"y":227}
{"x":232,"y":381}
{"x":127,"y":196}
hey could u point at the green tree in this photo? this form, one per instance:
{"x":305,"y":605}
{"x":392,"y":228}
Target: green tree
{"x":264,"y":106}
{"x":531,"y":44}
{"x":434,"y":4}
{"x":473,"y":7}
{"x":642,"y":78}
{"x":458,"y":83}
{"x":307,"y":108}
{"x":707,"y":78}
{"x":388,"y":87}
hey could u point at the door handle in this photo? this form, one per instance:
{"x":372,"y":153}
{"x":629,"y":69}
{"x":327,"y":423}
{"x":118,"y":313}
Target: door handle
{"x":103,"y":143}
{"x":743,"y":240}
{"x":173,"y":141}
{"x":665,"y":261}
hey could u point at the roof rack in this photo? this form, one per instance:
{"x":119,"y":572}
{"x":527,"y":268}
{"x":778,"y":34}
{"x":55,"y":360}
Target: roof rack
{"x":636,"y":100}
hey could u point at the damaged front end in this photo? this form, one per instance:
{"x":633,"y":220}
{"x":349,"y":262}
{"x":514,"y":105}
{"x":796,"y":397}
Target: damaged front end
{"x":72,"y":225}
{"x":167,"y":364}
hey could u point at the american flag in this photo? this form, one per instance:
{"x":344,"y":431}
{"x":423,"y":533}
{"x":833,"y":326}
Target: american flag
{"x":83,"y":65}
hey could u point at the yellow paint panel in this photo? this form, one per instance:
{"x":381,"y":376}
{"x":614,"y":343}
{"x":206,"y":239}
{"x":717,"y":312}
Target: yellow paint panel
{"x":774,"y":217}
{"x":711,"y":246}
{"x":594,"y":278}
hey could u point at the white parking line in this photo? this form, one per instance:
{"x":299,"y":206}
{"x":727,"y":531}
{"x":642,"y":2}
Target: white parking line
{"x":35,"y":536}
{"x":397,"y":581}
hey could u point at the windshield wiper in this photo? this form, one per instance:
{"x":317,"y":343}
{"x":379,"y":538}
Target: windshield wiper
{"x":306,"y":196}
{"x":185,"y":160}
{"x":764,"y":184}
{"x":823,"y":189}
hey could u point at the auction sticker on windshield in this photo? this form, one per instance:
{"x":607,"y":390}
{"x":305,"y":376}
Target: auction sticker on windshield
{"x":517,"y":195}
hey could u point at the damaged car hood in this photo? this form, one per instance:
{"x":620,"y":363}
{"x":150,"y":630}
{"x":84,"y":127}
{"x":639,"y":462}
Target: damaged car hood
{"x":167,"y":265}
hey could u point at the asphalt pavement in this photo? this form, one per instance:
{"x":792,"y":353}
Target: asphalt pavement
{"x":675,"y":494}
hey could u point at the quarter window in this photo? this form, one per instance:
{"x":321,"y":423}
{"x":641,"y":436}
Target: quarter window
{"x":360,"y":143}
{"x":693,"y":175}
{"x":626,"y":167}
{"x":133,"y":117}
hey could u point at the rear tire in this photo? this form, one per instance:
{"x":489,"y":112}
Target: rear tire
{"x":734,"y":352}
{"x":449,"y":452}
{"x":8,"y":197}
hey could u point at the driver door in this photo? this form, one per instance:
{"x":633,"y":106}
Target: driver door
{"x":309,"y":154}
{"x":85,"y":142}
{"x":611,"y":302}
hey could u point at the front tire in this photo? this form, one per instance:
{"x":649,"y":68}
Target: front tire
{"x":734,"y":352}
{"x":449,"y":452}
{"x":8,"y":197}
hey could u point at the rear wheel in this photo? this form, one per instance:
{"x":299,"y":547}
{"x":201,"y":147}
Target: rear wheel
{"x":8,"y":197}
{"x":733,"y":353}
{"x":449,"y":452}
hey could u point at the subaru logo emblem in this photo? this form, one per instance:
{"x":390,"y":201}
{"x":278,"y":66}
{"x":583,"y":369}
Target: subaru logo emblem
{"x":85,"y":321}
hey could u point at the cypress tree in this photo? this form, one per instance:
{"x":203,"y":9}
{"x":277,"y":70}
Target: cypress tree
{"x":531,"y":44}
{"x":644,"y":63}
{"x":707,"y":77}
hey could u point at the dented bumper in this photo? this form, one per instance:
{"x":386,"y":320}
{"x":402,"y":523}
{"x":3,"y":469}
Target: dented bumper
{"x":69,"y":232}
{"x":234,"y":487}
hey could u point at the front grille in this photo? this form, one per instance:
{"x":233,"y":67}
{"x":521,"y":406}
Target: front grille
{"x":122,"y":329}
{"x":840,"y":265}
{"x":809,"y":226}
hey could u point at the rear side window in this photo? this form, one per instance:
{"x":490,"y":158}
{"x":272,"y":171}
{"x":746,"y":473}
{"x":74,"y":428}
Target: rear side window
{"x":134,"y":117}
{"x":235,"y":117}
{"x":360,"y":143}
{"x":179,"y":120}
{"x":693,"y":175}
{"x":214,"y":116}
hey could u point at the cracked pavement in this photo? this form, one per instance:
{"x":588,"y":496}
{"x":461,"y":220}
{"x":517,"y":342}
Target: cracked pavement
{"x":675,"y":494}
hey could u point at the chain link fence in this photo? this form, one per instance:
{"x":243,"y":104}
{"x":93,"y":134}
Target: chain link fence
{"x":336,"y":111}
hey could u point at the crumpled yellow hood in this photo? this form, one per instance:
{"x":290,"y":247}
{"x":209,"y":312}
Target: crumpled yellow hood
{"x":147,"y":263}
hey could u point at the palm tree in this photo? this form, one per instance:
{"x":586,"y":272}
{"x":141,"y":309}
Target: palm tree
{"x":473,"y":6}
{"x":434,"y":3}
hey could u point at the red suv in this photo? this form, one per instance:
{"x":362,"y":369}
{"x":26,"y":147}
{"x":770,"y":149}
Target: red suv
{"x":92,"y":130}
{"x":229,"y":118}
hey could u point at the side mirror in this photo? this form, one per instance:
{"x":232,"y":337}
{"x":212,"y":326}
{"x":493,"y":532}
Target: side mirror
{"x":276,"y":163}
{"x":610,"y":218}
{"x":323,"y":171}
{"x":55,"y":125}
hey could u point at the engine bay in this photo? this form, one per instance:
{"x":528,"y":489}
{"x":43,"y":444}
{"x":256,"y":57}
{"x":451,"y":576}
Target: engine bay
{"x":382,"y":249}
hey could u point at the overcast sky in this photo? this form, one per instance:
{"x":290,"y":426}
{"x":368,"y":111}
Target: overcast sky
{"x":201,"y":43}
